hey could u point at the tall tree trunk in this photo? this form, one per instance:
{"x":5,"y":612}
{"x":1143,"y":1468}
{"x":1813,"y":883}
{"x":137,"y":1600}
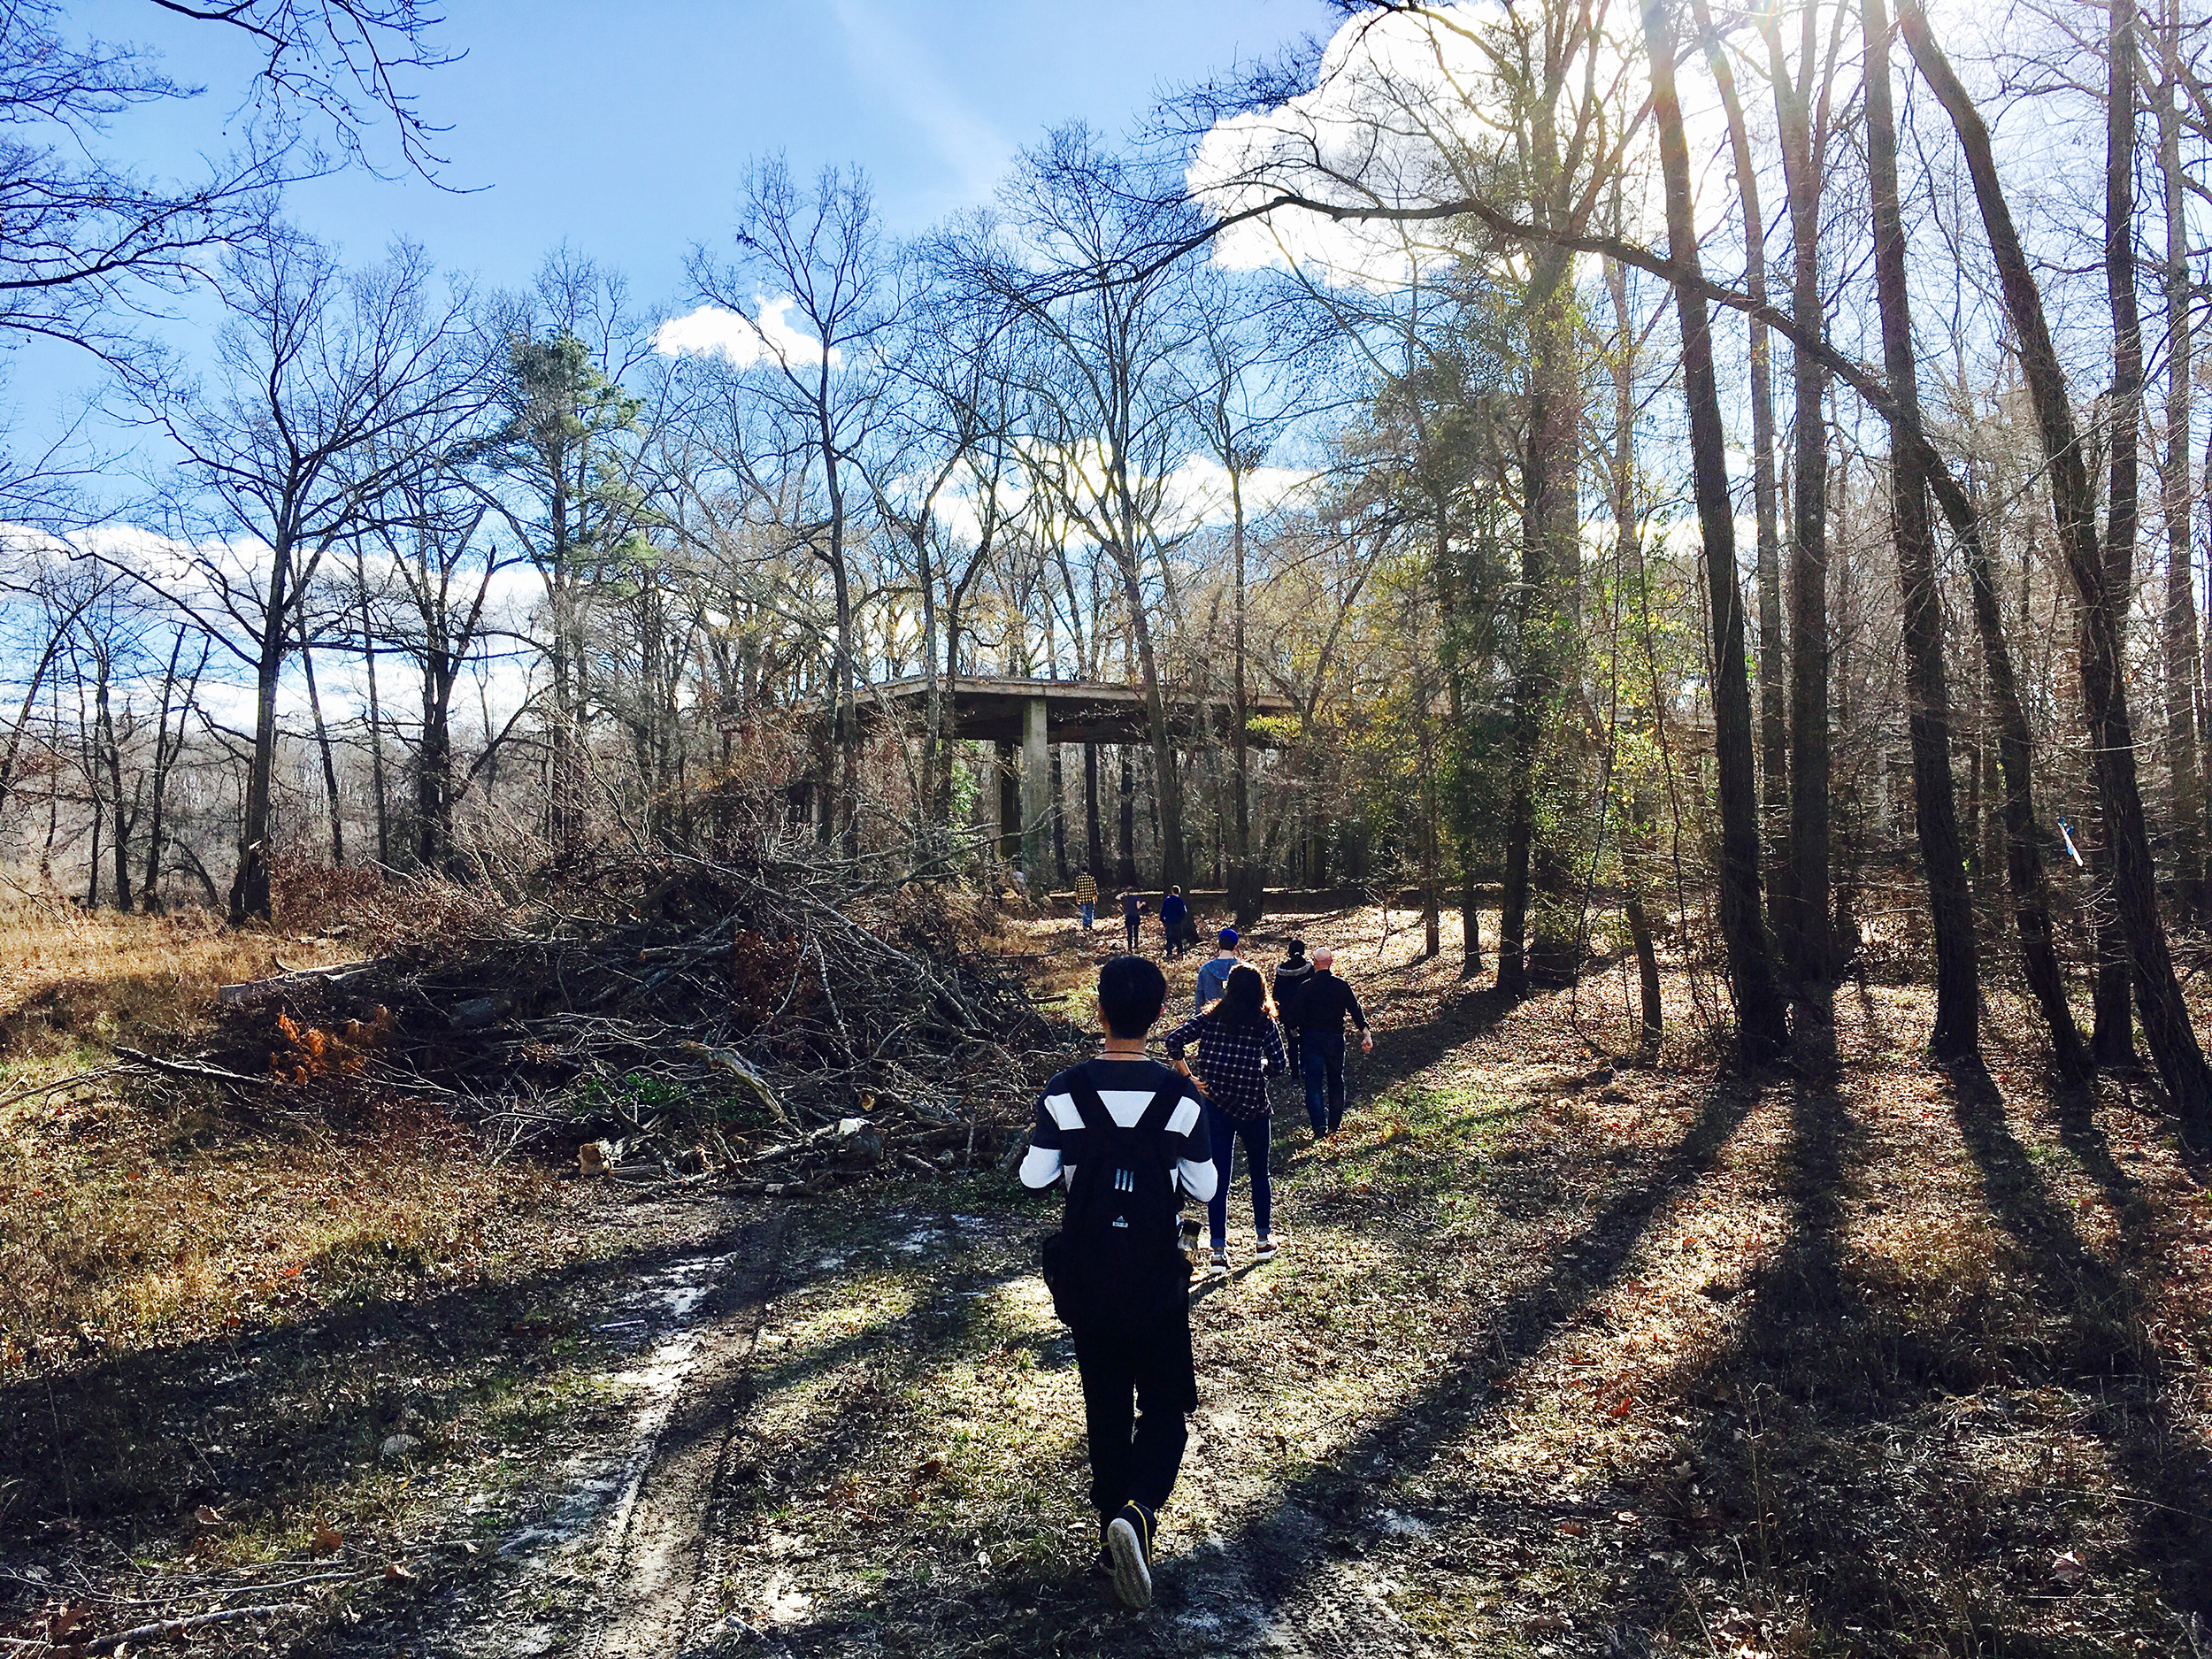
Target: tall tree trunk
{"x":845,"y":813}
{"x":933,"y":802}
{"x":109,"y":754}
{"x":1773,"y":716}
{"x":165,"y":754}
{"x":249,"y":895}
{"x":1432,"y":893}
{"x":433,"y":760}
{"x":2111,"y":998}
{"x":1802,"y":909}
{"x":938,"y":716}
{"x":1957,"y":1034}
{"x":53,"y":790}
{"x":1244,"y":876}
{"x":1651,"y":1026}
{"x":1093,"y":830}
{"x":1059,"y":818}
{"x":2114,"y":1040}
{"x":1760,"y":1010}
{"x":1528,"y":697}
{"x":99,"y":822}
{"x":2181,"y":653}
{"x":1167,"y":774}
{"x":1126,"y":825}
{"x":1451,"y":576}
{"x":2104,"y":688}
{"x":376,"y":732}
{"x":322,"y":744}
{"x":2025,"y":877}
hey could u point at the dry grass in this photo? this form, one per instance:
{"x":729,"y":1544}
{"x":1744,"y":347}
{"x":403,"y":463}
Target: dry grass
{"x":1565,"y":1357}
{"x":129,"y":1220}
{"x":72,"y":981}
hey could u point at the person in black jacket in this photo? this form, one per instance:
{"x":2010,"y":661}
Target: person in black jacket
{"x":1290,"y":980}
{"x":1323,"y":1004}
{"x":1128,"y":1354}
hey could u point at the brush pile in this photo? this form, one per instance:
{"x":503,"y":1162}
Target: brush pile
{"x":770,"y":1016}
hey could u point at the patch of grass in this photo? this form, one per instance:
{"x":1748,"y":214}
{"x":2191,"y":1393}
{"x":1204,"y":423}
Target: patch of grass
{"x":128,"y":1221}
{"x":125,"y":1226}
{"x":72,"y":981}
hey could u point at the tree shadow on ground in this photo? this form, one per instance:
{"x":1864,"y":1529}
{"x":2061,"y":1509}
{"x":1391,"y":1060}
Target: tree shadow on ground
{"x":1336,"y":1508}
{"x":1841,"y":1397}
{"x":2104,"y":1312}
{"x":262,"y":1419}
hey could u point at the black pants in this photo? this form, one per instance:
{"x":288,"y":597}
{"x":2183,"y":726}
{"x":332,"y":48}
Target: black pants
{"x":1324,"y":1061}
{"x":1135,"y":1455}
{"x":1131,"y":923}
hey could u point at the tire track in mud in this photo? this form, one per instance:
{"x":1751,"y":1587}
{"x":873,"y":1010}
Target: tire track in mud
{"x":662,"y":1555}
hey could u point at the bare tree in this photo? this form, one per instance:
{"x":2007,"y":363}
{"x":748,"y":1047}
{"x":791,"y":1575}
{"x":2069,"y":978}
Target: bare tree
{"x":821,"y":247}
{"x":2089,"y":564}
{"x":1956,"y":1035}
{"x":316,"y":368}
{"x":1760,"y":1009}
{"x":1104,"y":328}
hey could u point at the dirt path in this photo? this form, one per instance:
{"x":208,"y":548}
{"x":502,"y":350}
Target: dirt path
{"x":664,"y":1554}
{"x":1563,"y":1358}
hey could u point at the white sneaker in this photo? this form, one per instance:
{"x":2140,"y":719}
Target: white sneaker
{"x":1265,"y":1251}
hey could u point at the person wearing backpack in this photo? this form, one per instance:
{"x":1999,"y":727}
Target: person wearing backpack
{"x":1128,"y":1137}
{"x":1239,"y":1048}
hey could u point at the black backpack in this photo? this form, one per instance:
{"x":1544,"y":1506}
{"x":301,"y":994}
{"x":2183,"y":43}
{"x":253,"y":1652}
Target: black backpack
{"x":1115,"y":1259}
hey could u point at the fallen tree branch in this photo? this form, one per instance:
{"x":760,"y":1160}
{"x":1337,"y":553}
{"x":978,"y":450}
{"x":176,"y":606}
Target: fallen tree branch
{"x":36,"y":1089}
{"x":191,"y":1070}
{"x":178,"y":1626}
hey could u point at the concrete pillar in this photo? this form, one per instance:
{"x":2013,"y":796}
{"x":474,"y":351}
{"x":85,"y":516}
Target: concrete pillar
{"x":1037,"y":803}
{"x":1004,"y":770}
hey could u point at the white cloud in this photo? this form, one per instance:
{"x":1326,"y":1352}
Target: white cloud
{"x":1405,"y":111}
{"x":1197,"y":491}
{"x":717,"y":331}
{"x":1397,"y":99}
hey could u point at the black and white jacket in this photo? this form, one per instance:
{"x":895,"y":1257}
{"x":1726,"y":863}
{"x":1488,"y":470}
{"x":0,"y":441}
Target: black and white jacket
{"x":1125,"y":1087}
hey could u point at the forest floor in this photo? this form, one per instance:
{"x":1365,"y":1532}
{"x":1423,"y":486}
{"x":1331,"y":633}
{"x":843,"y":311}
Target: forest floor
{"x":1565,"y":1355}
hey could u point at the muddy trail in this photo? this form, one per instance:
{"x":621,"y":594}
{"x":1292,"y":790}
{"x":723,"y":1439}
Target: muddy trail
{"x":1563,"y":1357}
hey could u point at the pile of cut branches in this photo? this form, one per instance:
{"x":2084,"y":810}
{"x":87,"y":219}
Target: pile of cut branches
{"x":660,"y":1014}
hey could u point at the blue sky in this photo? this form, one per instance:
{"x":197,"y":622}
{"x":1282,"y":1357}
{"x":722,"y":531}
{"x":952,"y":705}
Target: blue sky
{"x":622,"y":128}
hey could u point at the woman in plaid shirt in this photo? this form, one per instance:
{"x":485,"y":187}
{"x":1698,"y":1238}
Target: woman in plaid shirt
{"x":1238,"y":1047}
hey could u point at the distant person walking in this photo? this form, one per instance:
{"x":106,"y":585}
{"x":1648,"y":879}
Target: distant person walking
{"x":1239,"y":1048}
{"x":1290,"y":980}
{"x":1129,"y":1136}
{"x":1173,"y":914}
{"x":1213,"y":973}
{"x":1323,"y":1006}
{"x":1132,"y":908}
{"x":1087,"y":896}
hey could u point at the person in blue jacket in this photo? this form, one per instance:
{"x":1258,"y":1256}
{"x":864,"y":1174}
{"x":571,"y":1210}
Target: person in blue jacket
{"x":1173,"y":914}
{"x":1213,"y":973}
